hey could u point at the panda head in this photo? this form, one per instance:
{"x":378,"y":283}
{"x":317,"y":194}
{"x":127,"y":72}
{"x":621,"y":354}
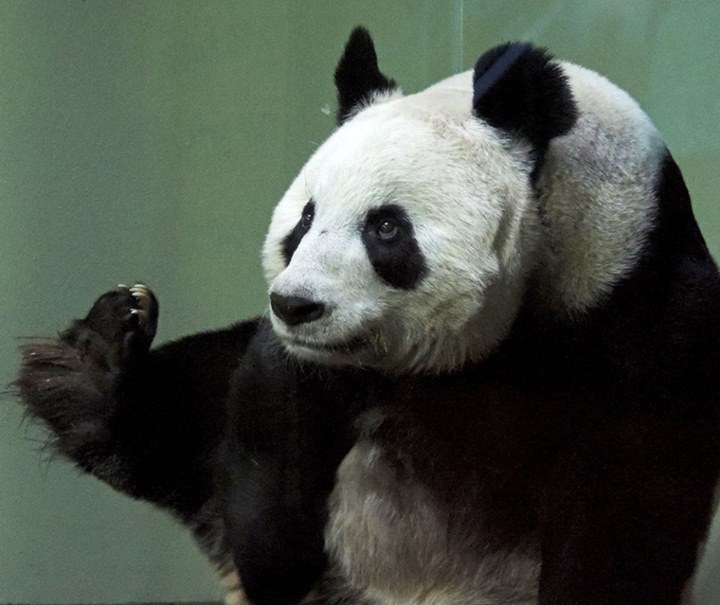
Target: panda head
{"x":405,"y":242}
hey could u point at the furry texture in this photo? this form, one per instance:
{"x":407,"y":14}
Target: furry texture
{"x":520,"y":89}
{"x":511,"y":396}
{"x":469,"y":201}
{"x":358,"y":80}
{"x":147,"y":423}
{"x":475,"y":215}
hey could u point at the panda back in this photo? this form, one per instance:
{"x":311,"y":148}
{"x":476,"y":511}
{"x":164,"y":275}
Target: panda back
{"x":597,"y":194}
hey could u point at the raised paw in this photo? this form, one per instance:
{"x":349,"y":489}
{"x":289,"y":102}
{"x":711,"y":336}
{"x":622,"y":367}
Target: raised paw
{"x":145,"y":309}
{"x":121,"y":324}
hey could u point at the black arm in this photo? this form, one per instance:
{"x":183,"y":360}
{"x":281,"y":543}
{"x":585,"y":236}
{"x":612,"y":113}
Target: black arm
{"x":290,"y":425}
{"x":146,"y":422}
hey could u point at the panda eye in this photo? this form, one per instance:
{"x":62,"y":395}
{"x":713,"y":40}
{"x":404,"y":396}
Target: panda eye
{"x":387,"y":229}
{"x":307,"y":217}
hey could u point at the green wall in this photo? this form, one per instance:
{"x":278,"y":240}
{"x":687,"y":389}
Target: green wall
{"x":150,"y":141}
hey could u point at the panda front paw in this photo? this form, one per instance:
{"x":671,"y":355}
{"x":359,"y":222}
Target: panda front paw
{"x":145,"y":309}
{"x":120,"y":326}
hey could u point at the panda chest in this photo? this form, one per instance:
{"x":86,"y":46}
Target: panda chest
{"x":414,"y":520}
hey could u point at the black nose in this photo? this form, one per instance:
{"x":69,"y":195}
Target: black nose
{"x":294,"y":310}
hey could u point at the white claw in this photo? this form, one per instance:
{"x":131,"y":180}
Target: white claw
{"x":142,"y":295}
{"x":121,"y":286}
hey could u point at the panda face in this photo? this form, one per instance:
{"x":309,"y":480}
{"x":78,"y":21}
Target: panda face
{"x":403,"y":243}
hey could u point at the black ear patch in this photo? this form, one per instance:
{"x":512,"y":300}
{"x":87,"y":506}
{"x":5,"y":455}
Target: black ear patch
{"x":519,"y":88}
{"x":357,"y":76}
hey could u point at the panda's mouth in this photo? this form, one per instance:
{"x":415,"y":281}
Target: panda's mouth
{"x":348,"y":346}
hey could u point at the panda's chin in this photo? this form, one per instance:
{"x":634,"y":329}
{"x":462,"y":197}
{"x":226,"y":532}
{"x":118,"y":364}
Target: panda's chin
{"x":354,"y":352}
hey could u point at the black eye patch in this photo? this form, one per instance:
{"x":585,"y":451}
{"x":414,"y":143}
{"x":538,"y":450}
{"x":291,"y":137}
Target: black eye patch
{"x":292,"y":240}
{"x":391,"y":246}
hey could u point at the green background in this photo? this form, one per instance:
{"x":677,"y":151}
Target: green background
{"x":151,"y":140}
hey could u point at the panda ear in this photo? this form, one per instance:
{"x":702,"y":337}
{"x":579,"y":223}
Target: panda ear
{"x":522,"y":90}
{"x":357,"y":76}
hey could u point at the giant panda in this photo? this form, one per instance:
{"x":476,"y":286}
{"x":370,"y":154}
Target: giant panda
{"x":488,"y":373}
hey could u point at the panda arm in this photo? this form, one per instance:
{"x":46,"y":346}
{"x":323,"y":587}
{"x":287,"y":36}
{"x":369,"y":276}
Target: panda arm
{"x":625,"y":516}
{"x":274,"y":527}
{"x":147,"y":422}
{"x":272,"y":476}
{"x":290,"y":426}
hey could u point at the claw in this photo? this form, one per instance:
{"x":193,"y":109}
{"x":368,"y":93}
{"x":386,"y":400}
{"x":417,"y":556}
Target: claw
{"x":142,"y":316}
{"x":143,"y":297}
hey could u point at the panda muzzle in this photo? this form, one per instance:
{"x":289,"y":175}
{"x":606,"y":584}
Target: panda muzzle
{"x":295,"y":310}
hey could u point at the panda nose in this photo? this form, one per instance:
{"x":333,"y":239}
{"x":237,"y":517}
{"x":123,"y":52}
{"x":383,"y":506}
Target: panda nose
{"x":294,"y":310}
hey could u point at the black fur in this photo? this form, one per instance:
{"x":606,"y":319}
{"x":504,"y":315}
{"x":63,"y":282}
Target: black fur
{"x":146,"y":422}
{"x":291,"y":424}
{"x":520,"y":89}
{"x":595,"y":436}
{"x":357,"y":77}
{"x":633,"y":389}
{"x":241,"y":442}
{"x":580,"y":432}
{"x":293,"y":239}
{"x":398,"y":261}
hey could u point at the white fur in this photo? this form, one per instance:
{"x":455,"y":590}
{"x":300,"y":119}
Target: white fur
{"x":467,"y":192}
{"x":466,"y":189}
{"x":468,"y":196}
{"x":230,"y":581}
{"x":397,"y":545}
{"x":596,"y":194}
{"x":488,"y":241}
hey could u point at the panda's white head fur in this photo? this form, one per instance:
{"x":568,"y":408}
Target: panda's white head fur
{"x":408,"y":240}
